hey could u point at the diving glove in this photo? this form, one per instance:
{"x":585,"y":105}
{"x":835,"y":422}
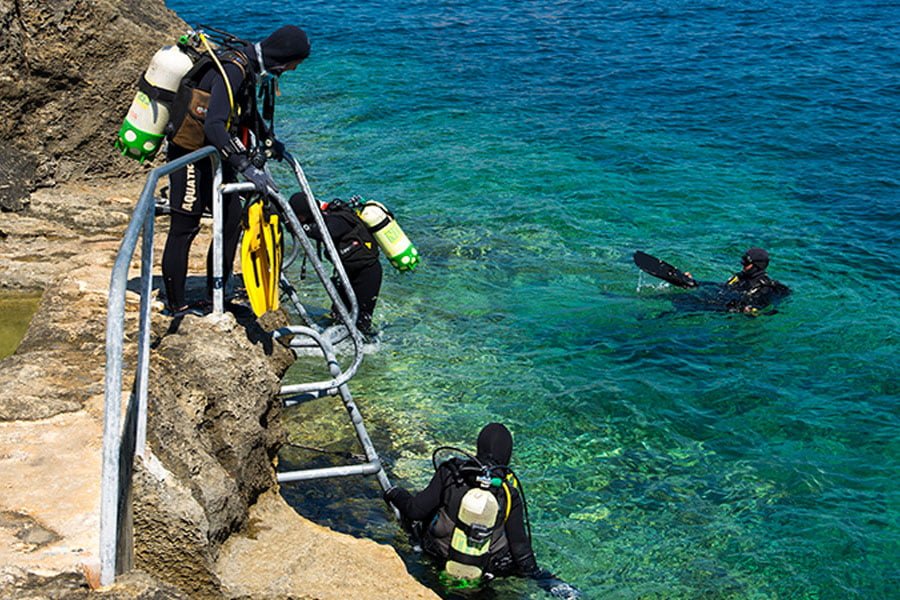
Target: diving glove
{"x":259,"y":178}
{"x":553,"y":585}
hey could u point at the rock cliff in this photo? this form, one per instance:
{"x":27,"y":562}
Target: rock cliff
{"x":68,"y":71}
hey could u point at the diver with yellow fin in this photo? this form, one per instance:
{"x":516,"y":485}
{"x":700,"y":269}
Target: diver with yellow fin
{"x":213,"y":104}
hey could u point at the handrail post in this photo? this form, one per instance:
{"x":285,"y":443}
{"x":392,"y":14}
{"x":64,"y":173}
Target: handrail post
{"x":143,"y":364}
{"x":218,"y":283}
{"x":110,"y":484}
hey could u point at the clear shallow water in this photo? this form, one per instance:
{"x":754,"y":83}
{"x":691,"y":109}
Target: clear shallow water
{"x":16,"y":310}
{"x":529,"y":148}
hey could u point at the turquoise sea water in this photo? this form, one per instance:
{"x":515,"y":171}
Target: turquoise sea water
{"x":529,"y":148}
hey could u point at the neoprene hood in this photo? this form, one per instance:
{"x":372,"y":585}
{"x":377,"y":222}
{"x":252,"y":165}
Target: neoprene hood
{"x":285,"y":45}
{"x":756,"y":257}
{"x":494,"y":445}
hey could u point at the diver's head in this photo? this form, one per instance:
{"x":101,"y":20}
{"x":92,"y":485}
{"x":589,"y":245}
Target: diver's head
{"x":755,"y":257}
{"x":301,"y":207}
{"x":286,"y":48}
{"x":494,"y":445}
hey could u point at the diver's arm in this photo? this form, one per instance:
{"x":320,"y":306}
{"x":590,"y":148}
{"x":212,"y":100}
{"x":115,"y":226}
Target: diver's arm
{"x":519,"y":543}
{"x":219,"y":112}
{"x":523,"y":555}
{"x":423,"y":504}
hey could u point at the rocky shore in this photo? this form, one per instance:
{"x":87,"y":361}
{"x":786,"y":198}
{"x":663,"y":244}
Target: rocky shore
{"x":209,"y":521}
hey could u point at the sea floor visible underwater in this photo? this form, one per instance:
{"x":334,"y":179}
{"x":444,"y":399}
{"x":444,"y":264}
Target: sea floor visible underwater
{"x":528,"y":149}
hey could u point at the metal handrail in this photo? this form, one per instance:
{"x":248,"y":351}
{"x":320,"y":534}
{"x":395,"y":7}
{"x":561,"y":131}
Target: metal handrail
{"x":141,"y":224}
{"x":120,"y":447}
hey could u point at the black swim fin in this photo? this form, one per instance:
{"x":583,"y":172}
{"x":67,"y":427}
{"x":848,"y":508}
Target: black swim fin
{"x":663,"y":270}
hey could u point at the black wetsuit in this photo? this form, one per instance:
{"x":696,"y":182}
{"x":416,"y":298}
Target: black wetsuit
{"x":752,"y":289}
{"x":437,"y":505}
{"x":359,"y":255}
{"x":510,"y":549}
{"x":231,"y":123}
{"x":191,"y":188}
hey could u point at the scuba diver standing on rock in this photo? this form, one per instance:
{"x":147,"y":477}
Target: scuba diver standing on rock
{"x":473,"y":517}
{"x":216,"y":105}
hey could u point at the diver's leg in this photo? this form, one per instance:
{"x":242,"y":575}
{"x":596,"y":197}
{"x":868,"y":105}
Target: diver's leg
{"x":366,"y":285}
{"x":183,"y":227}
{"x":182,"y":231}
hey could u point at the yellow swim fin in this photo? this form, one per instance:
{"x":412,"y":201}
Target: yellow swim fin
{"x":261,"y":258}
{"x":274,"y":244}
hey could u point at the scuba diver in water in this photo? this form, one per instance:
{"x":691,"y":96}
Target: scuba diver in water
{"x":357,"y":249}
{"x":755,"y":289}
{"x":748,"y":291}
{"x":473,"y":516}
{"x":220,"y":110}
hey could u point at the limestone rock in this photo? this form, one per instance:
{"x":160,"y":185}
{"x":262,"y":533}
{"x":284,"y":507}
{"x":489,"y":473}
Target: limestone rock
{"x":171,"y":530}
{"x":215,"y":427}
{"x":282,"y":554}
{"x":68,"y":71}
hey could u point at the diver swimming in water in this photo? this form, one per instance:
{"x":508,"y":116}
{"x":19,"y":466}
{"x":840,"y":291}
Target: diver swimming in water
{"x":755,"y":288}
{"x":748,"y":291}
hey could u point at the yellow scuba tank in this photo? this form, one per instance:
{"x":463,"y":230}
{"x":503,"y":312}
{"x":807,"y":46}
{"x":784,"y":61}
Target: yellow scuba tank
{"x":468,"y":555}
{"x":391,"y":239}
{"x":142,"y":130}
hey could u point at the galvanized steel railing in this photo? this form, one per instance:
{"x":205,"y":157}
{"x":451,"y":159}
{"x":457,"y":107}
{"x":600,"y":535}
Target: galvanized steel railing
{"x":116,"y":469}
{"x":121,"y":445}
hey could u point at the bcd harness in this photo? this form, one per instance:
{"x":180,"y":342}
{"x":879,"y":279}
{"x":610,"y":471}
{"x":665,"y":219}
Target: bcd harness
{"x":357,"y":247}
{"x":190,"y":103}
{"x":466,"y":477}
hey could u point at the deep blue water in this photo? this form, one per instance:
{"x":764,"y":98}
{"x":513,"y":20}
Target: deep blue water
{"x":528,"y":149}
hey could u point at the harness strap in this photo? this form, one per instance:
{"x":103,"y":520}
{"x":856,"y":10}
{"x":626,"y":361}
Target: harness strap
{"x":508,"y":500}
{"x":155,"y":93}
{"x":468,"y":559}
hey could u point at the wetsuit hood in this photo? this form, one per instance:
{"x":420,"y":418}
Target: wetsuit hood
{"x":301,"y":207}
{"x":756,"y":257}
{"x":494,"y":445}
{"x":285,"y":45}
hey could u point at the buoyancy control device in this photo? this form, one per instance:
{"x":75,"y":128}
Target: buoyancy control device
{"x":390,"y":237}
{"x":149,"y":116}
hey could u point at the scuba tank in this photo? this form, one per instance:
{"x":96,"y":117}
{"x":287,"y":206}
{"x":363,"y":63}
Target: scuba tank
{"x":470,"y":544}
{"x":142,"y":130}
{"x":396,"y":246}
{"x":150,"y":113}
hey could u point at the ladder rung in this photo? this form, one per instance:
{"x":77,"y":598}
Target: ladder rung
{"x":369,"y":468}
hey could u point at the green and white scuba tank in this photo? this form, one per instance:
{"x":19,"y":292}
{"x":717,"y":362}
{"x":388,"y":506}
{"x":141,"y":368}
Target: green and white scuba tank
{"x":143,"y":129}
{"x":391,"y":239}
{"x":478,"y":513}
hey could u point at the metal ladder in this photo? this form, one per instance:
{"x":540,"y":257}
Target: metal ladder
{"x":310,"y":335}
